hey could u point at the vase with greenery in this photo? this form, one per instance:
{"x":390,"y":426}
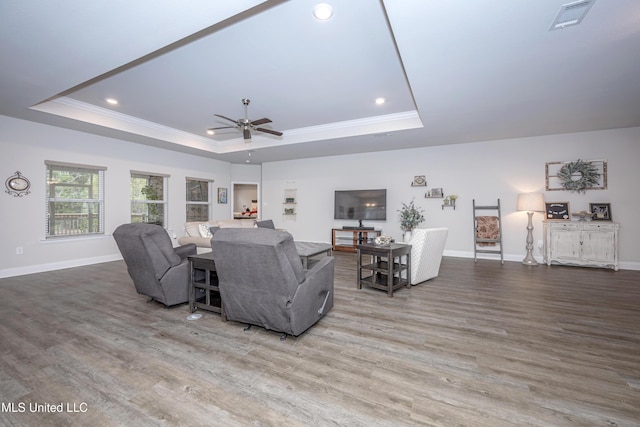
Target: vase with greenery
{"x":410,"y":217}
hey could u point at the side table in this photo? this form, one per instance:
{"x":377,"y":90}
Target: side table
{"x":205,"y":279}
{"x":308,"y":250}
{"x":386,"y":267}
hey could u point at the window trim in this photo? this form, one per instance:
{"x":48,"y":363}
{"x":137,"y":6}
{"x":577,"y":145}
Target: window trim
{"x":208,"y":203}
{"x":165,"y":194}
{"x":100,"y":172}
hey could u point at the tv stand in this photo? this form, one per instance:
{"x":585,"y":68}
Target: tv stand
{"x":350,"y":227}
{"x":357,"y":236}
{"x":358,"y":227}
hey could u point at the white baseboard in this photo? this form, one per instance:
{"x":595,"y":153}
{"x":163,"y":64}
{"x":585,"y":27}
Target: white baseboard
{"x":41,"y":268}
{"x":518,"y":258}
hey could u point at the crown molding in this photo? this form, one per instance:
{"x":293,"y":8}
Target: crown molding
{"x":89,"y":113}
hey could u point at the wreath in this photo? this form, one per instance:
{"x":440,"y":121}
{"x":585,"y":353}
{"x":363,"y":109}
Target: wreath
{"x":578,"y":176}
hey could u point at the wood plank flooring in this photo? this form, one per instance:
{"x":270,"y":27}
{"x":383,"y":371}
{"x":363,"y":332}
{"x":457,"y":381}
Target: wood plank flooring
{"x":484,"y":344}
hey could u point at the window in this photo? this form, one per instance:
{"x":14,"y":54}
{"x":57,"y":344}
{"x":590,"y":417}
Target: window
{"x":148,"y":198}
{"x":198,"y":204}
{"x":74,"y":199}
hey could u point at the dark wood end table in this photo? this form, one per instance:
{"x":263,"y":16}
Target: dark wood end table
{"x":386,"y":268}
{"x":205,"y":279}
{"x":308,"y":250}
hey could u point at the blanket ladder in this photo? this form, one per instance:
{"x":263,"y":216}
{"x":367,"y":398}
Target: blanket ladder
{"x":487,"y":231}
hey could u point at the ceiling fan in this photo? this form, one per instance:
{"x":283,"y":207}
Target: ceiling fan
{"x":247,"y":125}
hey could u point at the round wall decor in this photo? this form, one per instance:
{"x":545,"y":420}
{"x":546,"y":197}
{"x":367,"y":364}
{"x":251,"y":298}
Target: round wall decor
{"x":17,"y":185}
{"x":578,"y":176}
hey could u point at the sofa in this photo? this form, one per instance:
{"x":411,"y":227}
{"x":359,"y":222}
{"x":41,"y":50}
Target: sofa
{"x":196,"y":231}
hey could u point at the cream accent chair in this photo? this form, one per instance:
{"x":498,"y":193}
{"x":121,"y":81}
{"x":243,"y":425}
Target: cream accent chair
{"x":427,"y":245}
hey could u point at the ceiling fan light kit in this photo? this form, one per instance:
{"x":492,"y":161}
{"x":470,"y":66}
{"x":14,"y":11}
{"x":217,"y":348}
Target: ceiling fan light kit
{"x":245,"y":124}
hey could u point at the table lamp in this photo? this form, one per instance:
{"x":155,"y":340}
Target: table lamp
{"x":530,"y":203}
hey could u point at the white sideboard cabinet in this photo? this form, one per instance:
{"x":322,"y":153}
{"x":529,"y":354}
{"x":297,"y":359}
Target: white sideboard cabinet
{"x":593,"y":244}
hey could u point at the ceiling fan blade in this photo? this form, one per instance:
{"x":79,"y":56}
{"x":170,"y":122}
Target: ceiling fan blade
{"x":246,"y":133}
{"x":260,"y":122}
{"x":272,"y":132}
{"x":227,"y":118}
{"x":222,"y":127}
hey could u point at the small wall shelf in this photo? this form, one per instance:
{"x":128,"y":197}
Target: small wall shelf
{"x":289,"y":205}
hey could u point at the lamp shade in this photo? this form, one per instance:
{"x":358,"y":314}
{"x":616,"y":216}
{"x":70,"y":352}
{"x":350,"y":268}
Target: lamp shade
{"x":530,"y":202}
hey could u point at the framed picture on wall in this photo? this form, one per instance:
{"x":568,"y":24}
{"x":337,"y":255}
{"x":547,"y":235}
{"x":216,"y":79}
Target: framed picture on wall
{"x":578,"y":175}
{"x":600,"y":211}
{"x":557,"y":211}
{"x":436,"y":193}
{"x":222,"y":195}
{"x":419,"y":181}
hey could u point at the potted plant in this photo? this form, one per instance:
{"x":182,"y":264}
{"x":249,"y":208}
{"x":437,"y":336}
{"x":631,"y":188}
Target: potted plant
{"x":410,"y":217}
{"x":453,"y":198}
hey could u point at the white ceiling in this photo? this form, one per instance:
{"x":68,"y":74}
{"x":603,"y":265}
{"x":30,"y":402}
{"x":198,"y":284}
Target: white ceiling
{"x":451,"y":71}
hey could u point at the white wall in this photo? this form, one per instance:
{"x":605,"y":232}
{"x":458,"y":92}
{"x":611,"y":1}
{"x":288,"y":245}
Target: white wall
{"x":483,"y":171}
{"x":25,"y":147}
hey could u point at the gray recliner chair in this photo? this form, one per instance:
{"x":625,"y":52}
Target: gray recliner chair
{"x":262,"y":281}
{"x":158,"y":270}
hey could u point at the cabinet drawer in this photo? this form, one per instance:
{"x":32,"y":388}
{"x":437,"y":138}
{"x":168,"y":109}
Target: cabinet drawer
{"x":563,"y":226}
{"x":599,"y":227}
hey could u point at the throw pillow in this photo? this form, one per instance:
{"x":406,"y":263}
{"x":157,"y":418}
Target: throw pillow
{"x":204,"y":230}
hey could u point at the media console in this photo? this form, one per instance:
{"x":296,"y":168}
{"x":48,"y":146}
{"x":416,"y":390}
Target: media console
{"x":346,"y":239}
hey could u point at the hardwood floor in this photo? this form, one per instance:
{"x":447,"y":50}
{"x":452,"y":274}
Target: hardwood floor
{"x":482,"y":345}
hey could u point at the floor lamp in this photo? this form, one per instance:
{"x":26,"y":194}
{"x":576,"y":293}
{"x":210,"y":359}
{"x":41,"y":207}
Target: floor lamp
{"x":530,"y":203}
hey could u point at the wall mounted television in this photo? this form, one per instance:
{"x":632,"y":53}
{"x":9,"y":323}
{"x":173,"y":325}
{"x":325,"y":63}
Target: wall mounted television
{"x":361,"y":205}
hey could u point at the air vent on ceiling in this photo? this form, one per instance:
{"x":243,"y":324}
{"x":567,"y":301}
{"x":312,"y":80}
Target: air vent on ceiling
{"x":571,"y":14}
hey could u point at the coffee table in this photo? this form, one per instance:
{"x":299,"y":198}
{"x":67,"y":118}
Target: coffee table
{"x":308,"y":250}
{"x":386,"y":267}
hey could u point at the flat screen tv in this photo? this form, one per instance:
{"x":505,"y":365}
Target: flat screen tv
{"x":361,"y":205}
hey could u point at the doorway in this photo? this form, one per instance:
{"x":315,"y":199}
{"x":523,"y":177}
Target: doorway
{"x":245,"y":200}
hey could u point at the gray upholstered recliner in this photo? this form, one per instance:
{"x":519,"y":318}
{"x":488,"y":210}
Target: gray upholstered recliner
{"x":158,"y":270}
{"x":262,"y":281}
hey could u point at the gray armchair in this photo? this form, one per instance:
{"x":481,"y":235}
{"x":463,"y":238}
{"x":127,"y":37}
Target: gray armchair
{"x":158,"y":270}
{"x":262,"y":281}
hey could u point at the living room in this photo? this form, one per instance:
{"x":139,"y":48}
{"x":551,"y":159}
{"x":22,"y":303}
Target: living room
{"x":478,"y":103}
{"x":482,"y":343}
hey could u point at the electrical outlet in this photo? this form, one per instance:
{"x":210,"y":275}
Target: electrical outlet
{"x":19,"y":250}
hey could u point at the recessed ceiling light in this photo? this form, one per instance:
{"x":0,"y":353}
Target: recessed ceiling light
{"x":210,"y":131}
{"x":323,"y":11}
{"x":380,"y":101}
{"x":112,"y":101}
